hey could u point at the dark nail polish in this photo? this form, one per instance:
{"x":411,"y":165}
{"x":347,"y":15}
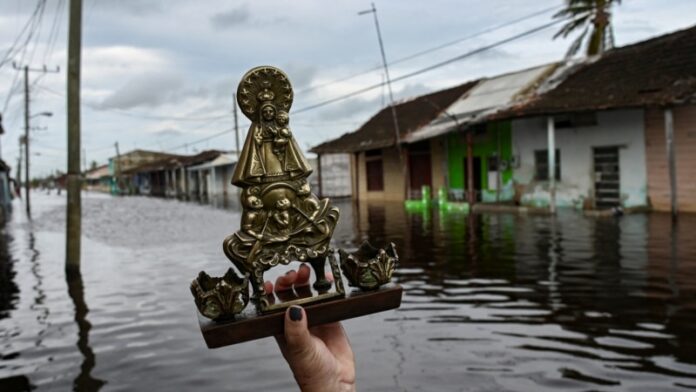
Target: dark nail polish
{"x":295,"y":313}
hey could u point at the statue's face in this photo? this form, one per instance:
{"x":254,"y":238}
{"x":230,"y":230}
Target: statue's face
{"x":283,"y":119}
{"x":254,"y":202}
{"x":304,"y":189}
{"x":283,"y":204}
{"x":268,"y":113}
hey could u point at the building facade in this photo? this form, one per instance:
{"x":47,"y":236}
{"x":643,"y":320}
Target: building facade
{"x":600,"y":160}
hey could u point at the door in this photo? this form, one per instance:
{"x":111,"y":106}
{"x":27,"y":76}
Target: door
{"x":419,"y":167}
{"x":477,"y":177}
{"x":607,"y":177}
{"x":420,"y":171}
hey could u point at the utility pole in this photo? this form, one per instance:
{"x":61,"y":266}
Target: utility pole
{"x":26,"y":140}
{"x":74,"y":207}
{"x":2,"y":132}
{"x":19,"y":168}
{"x":236,"y":125}
{"x":397,"y":133}
{"x":26,"y":70}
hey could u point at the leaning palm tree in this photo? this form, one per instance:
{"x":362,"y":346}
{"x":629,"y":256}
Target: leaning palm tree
{"x":590,"y":16}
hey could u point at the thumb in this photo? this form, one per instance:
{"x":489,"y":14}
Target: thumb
{"x":299,"y":347}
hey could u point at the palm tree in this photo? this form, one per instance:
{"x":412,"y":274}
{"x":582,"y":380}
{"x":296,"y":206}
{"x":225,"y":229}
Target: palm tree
{"x":592,"y":16}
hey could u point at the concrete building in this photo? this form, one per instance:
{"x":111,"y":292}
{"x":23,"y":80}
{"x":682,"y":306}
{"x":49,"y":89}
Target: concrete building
{"x":382,"y":170}
{"x":619,"y":127}
{"x":475,"y":147}
{"x":600,"y":160}
{"x":120,"y":167}
{"x":211,"y":181}
{"x":98,"y":179}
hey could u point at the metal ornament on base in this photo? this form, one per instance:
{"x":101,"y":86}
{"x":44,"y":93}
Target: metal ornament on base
{"x":369,"y":267}
{"x":282,"y":220}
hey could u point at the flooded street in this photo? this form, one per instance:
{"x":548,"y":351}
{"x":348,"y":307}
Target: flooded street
{"x":495,"y":302}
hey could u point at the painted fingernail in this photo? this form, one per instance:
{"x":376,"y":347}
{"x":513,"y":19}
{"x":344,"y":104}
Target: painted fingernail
{"x":295,"y":313}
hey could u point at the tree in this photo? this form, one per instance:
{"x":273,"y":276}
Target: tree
{"x":590,"y":16}
{"x":93,"y":165}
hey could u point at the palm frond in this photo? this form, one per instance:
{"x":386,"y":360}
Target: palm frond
{"x":577,"y":44}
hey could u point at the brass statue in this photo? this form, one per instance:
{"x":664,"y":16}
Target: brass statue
{"x":282,"y":220}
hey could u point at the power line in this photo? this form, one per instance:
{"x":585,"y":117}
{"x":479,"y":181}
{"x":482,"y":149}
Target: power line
{"x":398,"y":78}
{"x":429,"y":68}
{"x":13,"y":50}
{"x":433,"y":49}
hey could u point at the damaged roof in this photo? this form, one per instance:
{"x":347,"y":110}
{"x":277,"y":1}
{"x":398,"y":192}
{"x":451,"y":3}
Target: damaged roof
{"x":660,"y":71}
{"x":487,"y":97}
{"x":378,"y":131}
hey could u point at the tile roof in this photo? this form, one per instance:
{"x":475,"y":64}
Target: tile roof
{"x":659,"y":71}
{"x":378,"y":131}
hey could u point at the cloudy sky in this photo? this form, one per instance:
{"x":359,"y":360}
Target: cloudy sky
{"x":161,"y":74}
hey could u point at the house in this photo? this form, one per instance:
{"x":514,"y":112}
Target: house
{"x":98,"y":179}
{"x":212,"y":180}
{"x":121,"y":165}
{"x":615,"y":131}
{"x":380,"y":168}
{"x":620,"y":129}
{"x":479,"y":153}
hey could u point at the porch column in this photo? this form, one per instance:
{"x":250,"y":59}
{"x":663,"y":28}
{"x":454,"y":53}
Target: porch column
{"x":166,"y":182}
{"x":213,"y":185}
{"x":669,"y":141}
{"x":184,"y":177}
{"x":499,"y":157}
{"x":551,"y":130}
{"x":200,"y":185}
{"x":470,"y":167}
{"x":320,"y":190}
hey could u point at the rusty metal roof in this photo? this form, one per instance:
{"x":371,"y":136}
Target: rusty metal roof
{"x":378,"y":131}
{"x":488,"y":96}
{"x":660,"y":71}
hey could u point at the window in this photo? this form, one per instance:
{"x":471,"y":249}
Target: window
{"x":492,"y":163}
{"x":373,"y":170}
{"x":541,"y":165}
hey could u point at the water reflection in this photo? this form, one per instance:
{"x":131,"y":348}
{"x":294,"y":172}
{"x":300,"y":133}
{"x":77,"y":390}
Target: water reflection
{"x":9,"y":291}
{"x":84,"y":382}
{"x":492,"y":302}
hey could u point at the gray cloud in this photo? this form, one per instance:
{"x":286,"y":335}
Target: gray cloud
{"x":301,"y":75}
{"x":168,"y":132}
{"x":145,"y":90}
{"x":231,"y":18}
{"x":132,"y":7}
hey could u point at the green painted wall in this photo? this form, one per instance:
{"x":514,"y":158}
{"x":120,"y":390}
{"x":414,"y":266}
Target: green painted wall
{"x":485,"y":146}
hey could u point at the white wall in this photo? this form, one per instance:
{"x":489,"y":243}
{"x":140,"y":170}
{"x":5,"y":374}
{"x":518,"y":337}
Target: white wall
{"x":623,"y":128}
{"x":335,"y":175}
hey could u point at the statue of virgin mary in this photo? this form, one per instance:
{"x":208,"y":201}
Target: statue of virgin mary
{"x":270,"y":152}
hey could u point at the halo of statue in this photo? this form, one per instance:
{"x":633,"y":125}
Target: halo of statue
{"x":264,"y":84}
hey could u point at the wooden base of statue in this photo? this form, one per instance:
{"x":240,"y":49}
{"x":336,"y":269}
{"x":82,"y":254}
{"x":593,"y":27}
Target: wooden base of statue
{"x":252,"y":326}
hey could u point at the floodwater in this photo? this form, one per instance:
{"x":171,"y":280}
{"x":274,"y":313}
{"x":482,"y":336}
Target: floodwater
{"x":495,"y":302}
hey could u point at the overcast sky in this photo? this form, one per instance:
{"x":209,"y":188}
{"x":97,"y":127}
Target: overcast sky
{"x":161,"y":74}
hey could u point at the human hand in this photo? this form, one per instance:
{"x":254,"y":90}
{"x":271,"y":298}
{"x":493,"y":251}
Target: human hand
{"x":320,"y":357}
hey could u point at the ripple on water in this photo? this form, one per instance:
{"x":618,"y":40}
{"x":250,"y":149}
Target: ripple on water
{"x":532,"y":304}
